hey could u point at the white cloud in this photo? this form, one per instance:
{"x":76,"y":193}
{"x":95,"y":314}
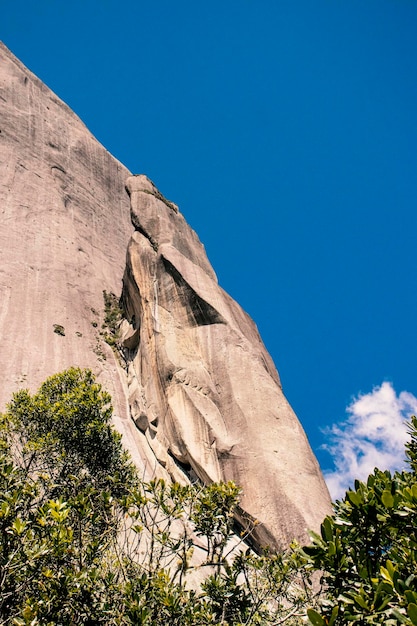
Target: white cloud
{"x":372,"y":436}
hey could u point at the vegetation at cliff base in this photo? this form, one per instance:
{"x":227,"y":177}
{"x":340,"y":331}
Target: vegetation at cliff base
{"x":85,"y":541}
{"x":368,"y":551}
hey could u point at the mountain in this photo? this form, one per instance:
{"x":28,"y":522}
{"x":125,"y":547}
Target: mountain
{"x":196,"y":395}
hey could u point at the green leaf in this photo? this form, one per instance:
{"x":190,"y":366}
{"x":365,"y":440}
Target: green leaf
{"x":412,"y":613}
{"x":315,"y":618}
{"x":18,"y":526}
{"x":316,"y":538}
{"x":387,"y":499}
{"x":360,"y":601}
{"x":327,"y":529}
{"x":333,"y":616}
{"x":386,"y":575}
{"x":355,"y":497}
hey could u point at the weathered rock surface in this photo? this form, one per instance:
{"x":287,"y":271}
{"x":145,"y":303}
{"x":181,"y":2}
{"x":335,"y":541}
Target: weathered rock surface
{"x":202,"y":386}
{"x":204,"y":395}
{"x":64,"y":228}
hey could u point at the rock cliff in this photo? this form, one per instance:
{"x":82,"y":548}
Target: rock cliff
{"x":198,"y":396}
{"x":65,"y":226}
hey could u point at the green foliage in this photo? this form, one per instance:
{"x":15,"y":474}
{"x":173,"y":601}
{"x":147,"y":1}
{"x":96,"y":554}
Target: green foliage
{"x":63,"y":475}
{"x":65,"y":430}
{"x":113,"y":315}
{"x":84,"y":541}
{"x":411,"y":446}
{"x":213,"y":517}
{"x":368,"y":551}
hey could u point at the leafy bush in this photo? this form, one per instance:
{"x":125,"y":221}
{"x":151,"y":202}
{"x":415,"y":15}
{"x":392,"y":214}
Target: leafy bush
{"x":84,"y":541}
{"x":368,"y":551}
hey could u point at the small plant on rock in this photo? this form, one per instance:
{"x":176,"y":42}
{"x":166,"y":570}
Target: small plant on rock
{"x":113,"y":315}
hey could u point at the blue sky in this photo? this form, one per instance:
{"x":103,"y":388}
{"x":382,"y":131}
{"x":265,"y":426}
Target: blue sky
{"x":286,"y":131}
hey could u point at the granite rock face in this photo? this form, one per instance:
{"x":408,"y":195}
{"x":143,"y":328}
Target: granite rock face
{"x":202,"y":386}
{"x":198,"y":395}
{"x":64,"y":229}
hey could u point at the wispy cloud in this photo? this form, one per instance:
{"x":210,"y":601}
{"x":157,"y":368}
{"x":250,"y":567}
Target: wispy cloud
{"x":373,"y":435}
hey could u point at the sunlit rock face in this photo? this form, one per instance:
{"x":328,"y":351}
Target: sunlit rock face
{"x":203,"y":393}
{"x":202,"y":386}
{"x":64,"y":229}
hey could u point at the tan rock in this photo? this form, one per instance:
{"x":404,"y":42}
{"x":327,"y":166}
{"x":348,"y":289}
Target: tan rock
{"x":203,"y":392}
{"x":203,"y":388}
{"x":64,"y":228}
